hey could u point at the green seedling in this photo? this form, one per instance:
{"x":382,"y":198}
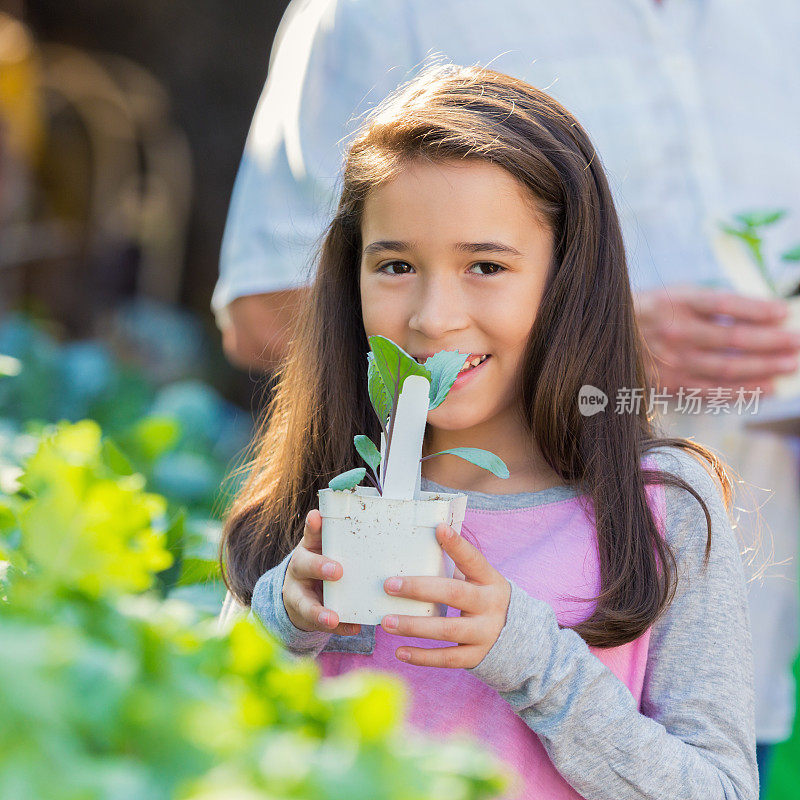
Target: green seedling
{"x":388,"y":365}
{"x":748,"y":228}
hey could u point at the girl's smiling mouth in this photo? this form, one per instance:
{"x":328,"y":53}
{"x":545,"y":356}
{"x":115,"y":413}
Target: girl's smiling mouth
{"x":469,"y":373}
{"x":472,"y":364}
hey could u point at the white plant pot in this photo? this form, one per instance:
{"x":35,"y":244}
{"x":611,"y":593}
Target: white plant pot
{"x":747,"y":280}
{"x":375,"y":538}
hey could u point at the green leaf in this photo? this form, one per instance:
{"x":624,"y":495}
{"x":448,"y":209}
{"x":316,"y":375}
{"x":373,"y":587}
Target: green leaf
{"x":792,"y":255}
{"x":378,"y":392}
{"x":115,"y":459}
{"x":394,"y":364}
{"x":98,"y":535}
{"x":367,"y":450}
{"x":745,"y":234}
{"x":8,"y":519}
{"x":174,"y":543}
{"x":481,"y":458}
{"x":750,"y":237}
{"x":199,"y":570}
{"x":444,"y":367}
{"x":155,"y":436}
{"x":758,"y":219}
{"x":348,"y":480}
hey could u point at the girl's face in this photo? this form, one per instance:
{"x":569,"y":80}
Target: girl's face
{"x":455,"y":257}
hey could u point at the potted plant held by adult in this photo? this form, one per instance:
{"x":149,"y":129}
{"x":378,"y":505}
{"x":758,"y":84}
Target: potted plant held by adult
{"x":389,"y":528}
{"x":741,"y":247}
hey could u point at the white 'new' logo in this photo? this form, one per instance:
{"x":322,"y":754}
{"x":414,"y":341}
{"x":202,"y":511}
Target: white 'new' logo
{"x":591,"y":400}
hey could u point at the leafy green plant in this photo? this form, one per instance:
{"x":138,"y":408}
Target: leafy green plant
{"x":388,"y":365}
{"x":182,"y":438}
{"x":748,"y":228}
{"x":110,"y":692}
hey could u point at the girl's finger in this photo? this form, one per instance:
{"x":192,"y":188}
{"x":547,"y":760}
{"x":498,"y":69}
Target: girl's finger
{"x":461,"y":630}
{"x":331,"y":622}
{"x":465,"y":556}
{"x":312,"y":532}
{"x":306,"y":613}
{"x":315,"y":616}
{"x":457,"y":656}
{"x":300,"y":609}
{"x":347,"y":629}
{"x":306,"y":565}
{"x":457,"y":594}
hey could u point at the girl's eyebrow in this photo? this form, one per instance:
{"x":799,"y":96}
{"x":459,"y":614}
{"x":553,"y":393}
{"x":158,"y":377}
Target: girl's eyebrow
{"x":487,"y":247}
{"x":387,"y":244}
{"x":466,"y":247}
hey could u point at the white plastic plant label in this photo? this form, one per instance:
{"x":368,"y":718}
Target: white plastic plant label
{"x":402,"y":468}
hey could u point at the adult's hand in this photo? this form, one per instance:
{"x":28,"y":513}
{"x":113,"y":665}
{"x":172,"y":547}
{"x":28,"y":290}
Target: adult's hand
{"x":257,"y":328}
{"x":705,"y":338}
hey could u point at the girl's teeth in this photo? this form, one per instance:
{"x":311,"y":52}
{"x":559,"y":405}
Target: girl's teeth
{"x":472,"y":363}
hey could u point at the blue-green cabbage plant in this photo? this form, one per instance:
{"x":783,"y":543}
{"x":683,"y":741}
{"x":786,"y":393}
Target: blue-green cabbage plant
{"x":388,"y":365}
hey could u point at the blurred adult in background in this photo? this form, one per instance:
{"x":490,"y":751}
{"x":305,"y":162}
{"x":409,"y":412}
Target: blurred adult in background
{"x":695,"y":106}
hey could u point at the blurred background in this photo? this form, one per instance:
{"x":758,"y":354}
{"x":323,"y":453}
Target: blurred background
{"x":121,"y":128}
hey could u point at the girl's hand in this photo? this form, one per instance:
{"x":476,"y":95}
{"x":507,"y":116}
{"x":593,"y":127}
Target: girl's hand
{"x":482,"y":597}
{"x":302,"y":586}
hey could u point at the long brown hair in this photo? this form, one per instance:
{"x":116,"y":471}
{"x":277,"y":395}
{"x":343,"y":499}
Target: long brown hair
{"x":585,"y":332}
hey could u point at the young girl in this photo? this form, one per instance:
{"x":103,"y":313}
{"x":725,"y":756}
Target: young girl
{"x":598,"y":640}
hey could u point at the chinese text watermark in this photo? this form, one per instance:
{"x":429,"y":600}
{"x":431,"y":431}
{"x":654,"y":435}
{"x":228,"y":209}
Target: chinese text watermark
{"x":716,"y":400}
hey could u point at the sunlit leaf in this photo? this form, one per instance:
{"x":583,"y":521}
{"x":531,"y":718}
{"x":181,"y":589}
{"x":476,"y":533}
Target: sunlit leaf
{"x":378,"y":392}
{"x":444,"y":367}
{"x":367,"y":450}
{"x":174,"y":543}
{"x":83,"y":528}
{"x":155,"y":436}
{"x":481,"y":458}
{"x":348,"y":480}
{"x":394,"y":364}
{"x":760,"y":218}
{"x":792,"y":255}
{"x":373,"y":704}
{"x":198,"y":570}
{"x":116,"y":459}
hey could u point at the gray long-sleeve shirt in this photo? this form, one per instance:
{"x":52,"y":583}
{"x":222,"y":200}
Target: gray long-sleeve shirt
{"x":693,"y":735}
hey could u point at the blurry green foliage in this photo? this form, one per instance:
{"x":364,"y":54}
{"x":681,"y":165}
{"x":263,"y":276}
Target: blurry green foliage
{"x":109,"y":691}
{"x":156,"y":426}
{"x":183,"y":439}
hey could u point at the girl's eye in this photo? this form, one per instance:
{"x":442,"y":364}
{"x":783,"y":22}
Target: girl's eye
{"x":497,"y":269}
{"x":383,"y":267}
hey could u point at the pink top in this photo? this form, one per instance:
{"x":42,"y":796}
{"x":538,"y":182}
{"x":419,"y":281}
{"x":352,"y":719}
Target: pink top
{"x":550,"y":551}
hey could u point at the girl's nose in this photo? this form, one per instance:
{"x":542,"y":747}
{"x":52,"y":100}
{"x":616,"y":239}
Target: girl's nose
{"x":437,"y":309}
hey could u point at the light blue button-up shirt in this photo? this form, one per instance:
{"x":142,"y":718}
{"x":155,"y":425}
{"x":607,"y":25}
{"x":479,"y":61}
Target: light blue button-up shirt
{"x":693,"y":105}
